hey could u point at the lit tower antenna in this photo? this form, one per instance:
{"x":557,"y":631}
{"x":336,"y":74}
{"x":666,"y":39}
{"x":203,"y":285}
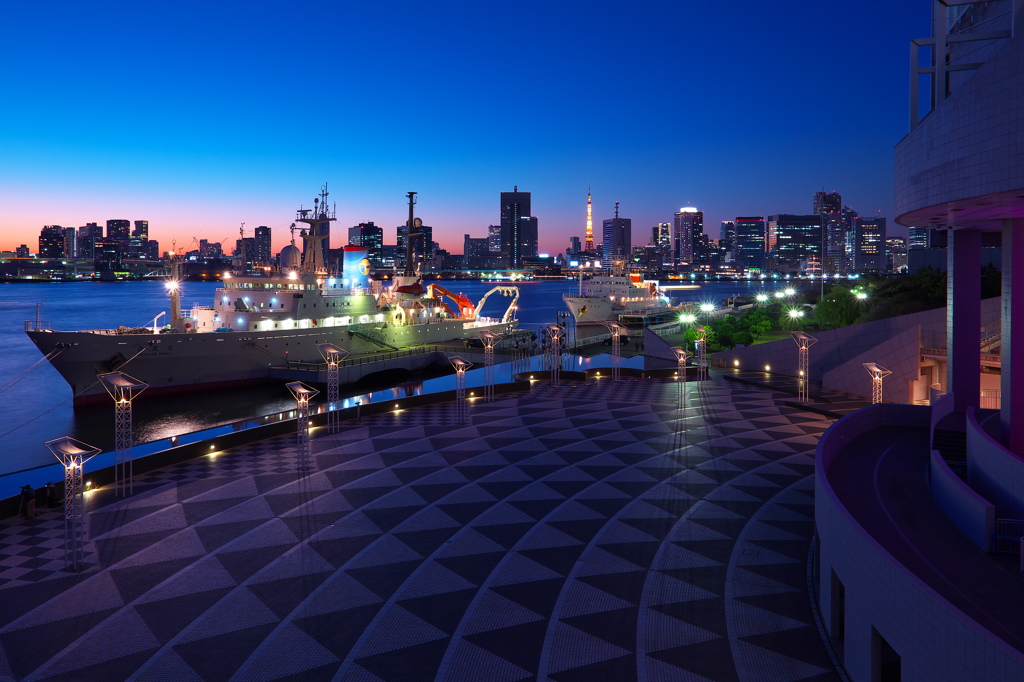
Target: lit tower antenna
{"x":589,"y":248}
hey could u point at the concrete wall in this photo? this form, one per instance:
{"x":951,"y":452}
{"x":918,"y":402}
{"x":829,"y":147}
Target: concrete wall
{"x":971,"y":144}
{"x":900,"y":354}
{"x":935,"y":640}
{"x":838,"y":347}
{"x":993,"y":471}
{"x":972,"y":513}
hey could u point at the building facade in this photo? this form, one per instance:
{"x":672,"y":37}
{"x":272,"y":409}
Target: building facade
{"x":687,"y":225}
{"x":750,"y":243}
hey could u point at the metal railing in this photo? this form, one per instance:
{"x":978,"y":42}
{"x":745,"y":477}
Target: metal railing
{"x":1008,"y":536}
{"x":990,"y":399}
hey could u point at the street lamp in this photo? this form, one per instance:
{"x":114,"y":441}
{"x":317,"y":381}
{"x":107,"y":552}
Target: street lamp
{"x":490,"y":340}
{"x":803,"y":343}
{"x":682,"y":355}
{"x":877,"y":374}
{"x":702,"y":353}
{"x":302,"y":394}
{"x":554,"y":333}
{"x":123,"y":389}
{"x":789,"y":291}
{"x":461,"y":407}
{"x":762,"y":298}
{"x":617,"y":331}
{"x":73,"y":454}
{"x":333,"y":356}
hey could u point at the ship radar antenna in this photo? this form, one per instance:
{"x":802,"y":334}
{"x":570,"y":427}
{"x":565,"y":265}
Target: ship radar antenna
{"x":292,"y":229}
{"x":241,"y":231}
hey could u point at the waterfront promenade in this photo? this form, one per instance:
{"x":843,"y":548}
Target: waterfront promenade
{"x":590,"y":531}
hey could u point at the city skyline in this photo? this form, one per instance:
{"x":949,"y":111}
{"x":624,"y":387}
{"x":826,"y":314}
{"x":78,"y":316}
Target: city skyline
{"x":209,"y":135}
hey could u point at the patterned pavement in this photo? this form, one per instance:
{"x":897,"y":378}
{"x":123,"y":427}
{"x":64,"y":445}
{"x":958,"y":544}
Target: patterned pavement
{"x":582,"y":532}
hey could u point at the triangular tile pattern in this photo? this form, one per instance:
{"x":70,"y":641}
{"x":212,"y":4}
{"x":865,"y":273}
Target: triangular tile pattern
{"x":537,"y":540}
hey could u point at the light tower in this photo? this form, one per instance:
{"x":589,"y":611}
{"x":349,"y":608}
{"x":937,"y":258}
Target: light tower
{"x":333,"y":356}
{"x":461,"y":406}
{"x":617,"y":331}
{"x":877,"y":374}
{"x":554,"y":333}
{"x":73,"y":454}
{"x":123,"y":389}
{"x":702,"y":352}
{"x":302,"y":394}
{"x":589,"y":243}
{"x":803,"y":343}
{"x":490,"y":340}
{"x":682,"y":355}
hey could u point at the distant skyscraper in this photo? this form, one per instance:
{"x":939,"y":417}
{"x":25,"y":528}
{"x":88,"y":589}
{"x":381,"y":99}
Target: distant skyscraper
{"x":70,"y":243}
{"x":119,"y":230}
{"x":869,"y":245}
{"x":918,"y":238}
{"x":51,"y":242}
{"x":87,"y":235}
{"x":794,"y":242}
{"x":421,"y":245}
{"x":141,"y":230}
{"x":750,"y":239}
{"x":687,"y":225}
{"x":371,"y":238}
{"x":518,"y":227}
{"x":617,"y":243}
{"x":263,"y":245}
{"x":589,"y":241}
{"x":827,"y":202}
{"x":494,"y":238}
{"x":575,"y":246}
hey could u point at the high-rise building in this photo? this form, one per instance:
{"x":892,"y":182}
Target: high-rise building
{"x":22,"y":251}
{"x":263,"y":251}
{"x":518,"y":227}
{"x":119,"y":230}
{"x":687,"y":225}
{"x":370,"y":237}
{"x":827,"y":202}
{"x":794,"y":242}
{"x":87,"y":235}
{"x":918,"y":238}
{"x":51,"y":242}
{"x":750,"y":239}
{"x":617,"y":240}
{"x":727,"y":235}
{"x":422,"y":242}
{"x":869,"y":245}
{"x":70,"y":242}
{"x":141,"y":230}
{"x":574,"y":246}
{"x":896,"y":254}
{"x":494,"y":238}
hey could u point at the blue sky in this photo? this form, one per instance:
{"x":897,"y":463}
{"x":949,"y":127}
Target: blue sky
{"x":200,"y":116}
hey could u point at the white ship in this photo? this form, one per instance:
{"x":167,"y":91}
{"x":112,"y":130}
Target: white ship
{"x":257,"y":322}
{"x":604,"y":298}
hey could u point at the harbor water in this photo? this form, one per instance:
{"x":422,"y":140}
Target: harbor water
{"x":36,"y":403}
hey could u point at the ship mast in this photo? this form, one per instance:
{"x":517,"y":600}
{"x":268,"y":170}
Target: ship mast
{"x":589,"y":248}
{"x":319,"y":219}
{"x":410,"y":269}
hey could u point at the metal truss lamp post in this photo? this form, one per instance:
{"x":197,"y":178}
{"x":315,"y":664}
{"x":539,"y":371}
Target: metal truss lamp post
{"x":302,"y":394}
{"x":490,"y":340}
{"x":877,"y":374}
{"x":123,"y":389}
{"x":73,"y":454}
{"x":702,"y":353}
{"x":333,"y":356}
{"x":682,"y":355}
{"x":461,"y":405}
{"x":803,"y":344}
{"x":554,"y":333}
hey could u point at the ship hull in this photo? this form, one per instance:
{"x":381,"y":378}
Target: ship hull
{"x":598,"y":309}
{"x":181,"y":363}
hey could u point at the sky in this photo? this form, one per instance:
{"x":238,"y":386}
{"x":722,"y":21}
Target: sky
{"x":200,"y":116}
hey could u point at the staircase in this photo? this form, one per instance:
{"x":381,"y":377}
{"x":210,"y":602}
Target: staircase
{"x":952,"y":445}
{"x":371,"y":335}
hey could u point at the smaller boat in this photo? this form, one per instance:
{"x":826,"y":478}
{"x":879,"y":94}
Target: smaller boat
{"x":605,"y":298}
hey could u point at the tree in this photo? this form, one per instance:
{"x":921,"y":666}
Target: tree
{"x":839,"y":307}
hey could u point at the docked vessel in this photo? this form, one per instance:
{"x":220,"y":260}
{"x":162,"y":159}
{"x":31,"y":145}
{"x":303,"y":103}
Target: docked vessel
{"x":606,"y":298}
{"x":258,"y":322}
